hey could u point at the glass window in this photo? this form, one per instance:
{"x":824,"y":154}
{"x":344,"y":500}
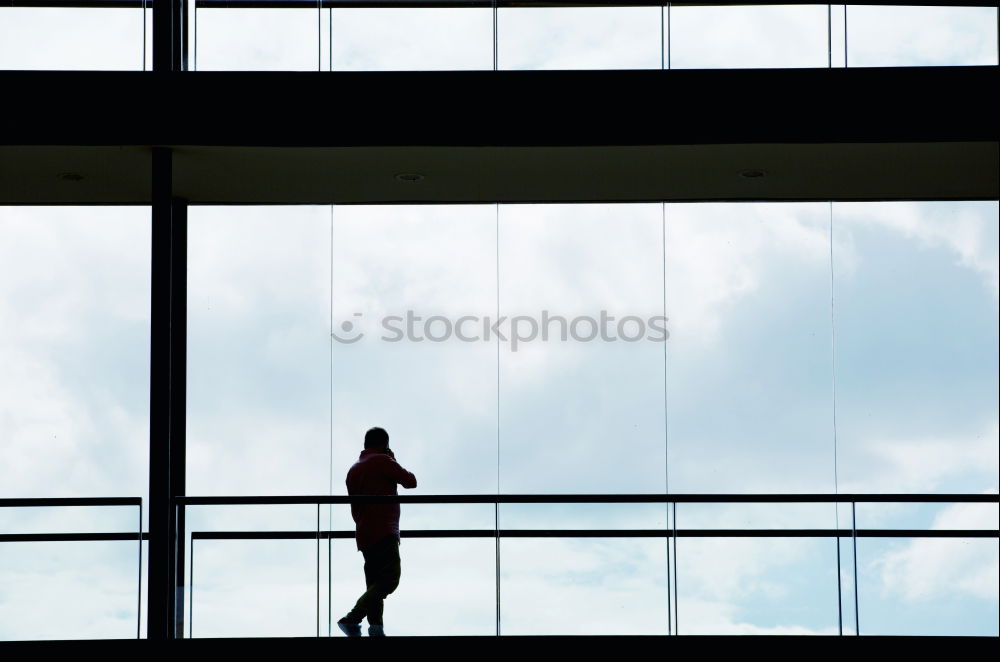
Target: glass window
{"x":258,"y":39}
{"x":106,"y":38}
{"x":916,"y":320}
{"x":258,"y":350}
{"x":403,"y":279}
{"x":915,"y":295}
{"x":74,"y":414}
{"x":749,"y":359}
{"x":579,"y":38}
{"x":737,"y":37}
{"x":412,"y":39}
{"x":74,"y":344}
{"x":895,"y":36}
{"x":581,"y":374}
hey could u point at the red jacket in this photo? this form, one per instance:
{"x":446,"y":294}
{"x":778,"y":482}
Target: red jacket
{"x":376,"y":472}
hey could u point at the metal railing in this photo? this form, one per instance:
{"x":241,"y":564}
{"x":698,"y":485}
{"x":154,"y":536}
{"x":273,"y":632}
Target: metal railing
{"x":64,"y":536}
{"x":669,"y":533}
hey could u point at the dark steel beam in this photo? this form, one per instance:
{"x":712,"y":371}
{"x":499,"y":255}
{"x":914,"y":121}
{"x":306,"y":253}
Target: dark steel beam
{"x":503,"y":108}
{"x":170,"y":38}
{"x":446,"y":4}
{"x":167,"y":421}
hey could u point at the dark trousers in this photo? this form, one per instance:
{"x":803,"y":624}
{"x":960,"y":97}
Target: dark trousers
{"x":382,"y":571}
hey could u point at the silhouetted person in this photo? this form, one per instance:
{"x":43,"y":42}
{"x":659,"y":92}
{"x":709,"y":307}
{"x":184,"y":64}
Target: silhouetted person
{"x":377,"y":535}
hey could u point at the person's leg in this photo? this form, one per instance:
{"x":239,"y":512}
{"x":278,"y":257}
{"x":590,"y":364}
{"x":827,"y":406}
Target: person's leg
{"x":382,"y":570}
{"x":360,"y":609}
{"x":386,"y":580}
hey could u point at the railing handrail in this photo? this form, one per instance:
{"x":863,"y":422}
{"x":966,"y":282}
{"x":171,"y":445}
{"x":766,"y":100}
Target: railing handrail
{"x":348,"y":534}
{"x":27,"y":502}
{"x":586,"y":498}
{"x":31,"y":502}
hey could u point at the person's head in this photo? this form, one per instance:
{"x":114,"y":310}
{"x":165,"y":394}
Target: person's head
{"x":376,"y":439}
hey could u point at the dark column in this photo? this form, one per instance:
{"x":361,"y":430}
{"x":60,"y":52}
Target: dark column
{"x":170,"y":39}
{"x":167,"y":396}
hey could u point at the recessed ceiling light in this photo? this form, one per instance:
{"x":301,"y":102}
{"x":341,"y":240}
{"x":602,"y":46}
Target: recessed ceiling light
{"x":409,"y":176}
{"x":752,"y":173}
{"x":70,"y":176}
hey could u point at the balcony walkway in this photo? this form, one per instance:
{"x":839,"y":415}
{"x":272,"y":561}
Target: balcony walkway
{"x":437,"y":647}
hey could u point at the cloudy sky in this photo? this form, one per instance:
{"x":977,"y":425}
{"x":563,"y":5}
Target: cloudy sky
{"x":762,"y":386}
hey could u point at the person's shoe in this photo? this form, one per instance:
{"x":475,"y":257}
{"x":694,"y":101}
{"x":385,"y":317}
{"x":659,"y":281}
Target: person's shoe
{"x":349,"y":628}
{"x":376,"y":631}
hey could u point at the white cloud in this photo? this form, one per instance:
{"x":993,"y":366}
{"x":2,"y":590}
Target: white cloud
{"x":923,"y":465}
{"x":74,"y":310}
{"x":68,"y":590}
{"x":718,"y":253}
{"x":720,"y":617}
{"x":933,"y":569}
{"x":969,"y":230}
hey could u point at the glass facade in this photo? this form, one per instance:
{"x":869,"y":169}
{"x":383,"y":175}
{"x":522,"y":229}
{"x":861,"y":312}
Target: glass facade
{"x":606,"y":351}
{"x":811,"y":348}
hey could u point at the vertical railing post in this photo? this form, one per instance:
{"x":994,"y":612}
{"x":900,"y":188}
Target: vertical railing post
{"x":496,"y":524}
{"x":167,"y":395}
{"x":677,"y":610}
{"x":191,"y":590}
{"x":854,"y":542}
{"x":318,"y":553}
{"x":840,"y":599}
{"x":138,"y":611}
{"x":670,"y":608}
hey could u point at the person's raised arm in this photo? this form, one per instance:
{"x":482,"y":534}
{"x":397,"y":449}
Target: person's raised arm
{"x":398,"y":473}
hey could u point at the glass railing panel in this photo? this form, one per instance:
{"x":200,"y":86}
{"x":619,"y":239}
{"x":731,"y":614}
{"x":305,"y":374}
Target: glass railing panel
{"x":251,"y":571}
{"x":928,"y":586}
{"x":583,"y":586}
{"x":756,"y":586}
{"x":69,"y":572}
